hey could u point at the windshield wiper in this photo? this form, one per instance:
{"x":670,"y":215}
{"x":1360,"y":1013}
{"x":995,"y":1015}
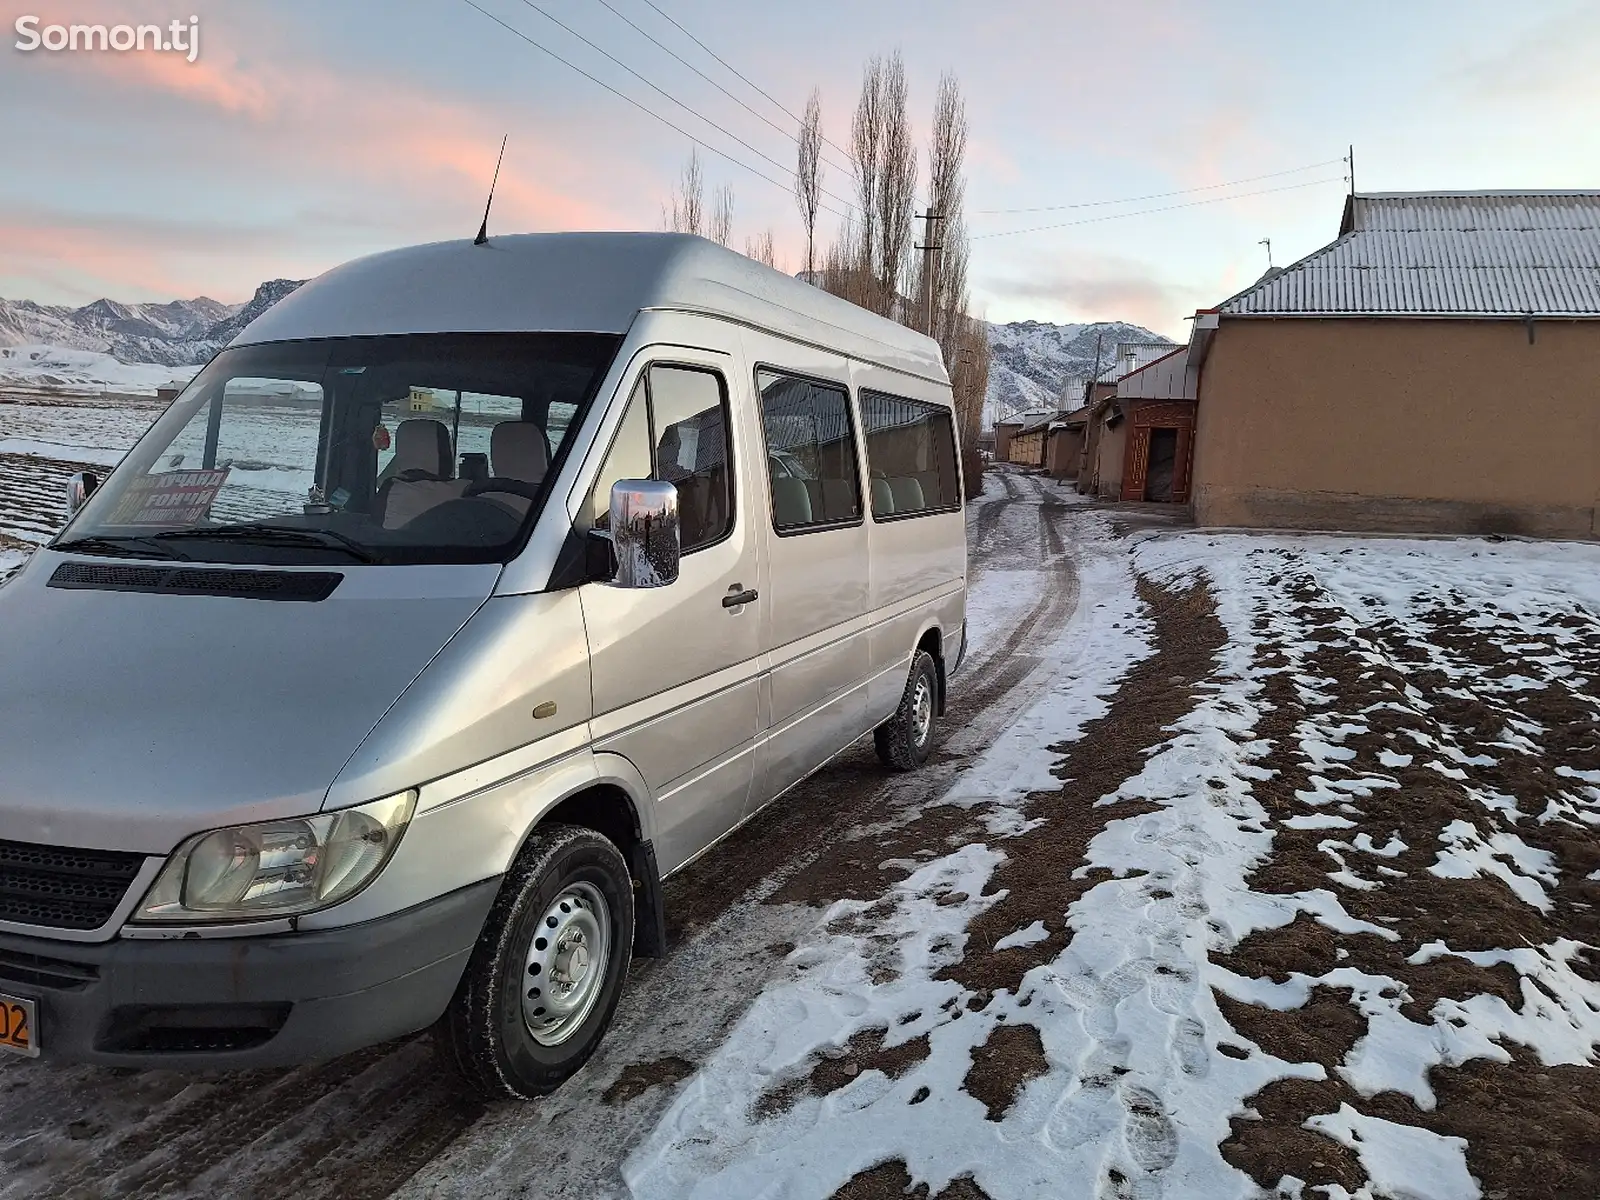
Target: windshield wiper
{"x":126,"y":547}
{"x":261,"y":534}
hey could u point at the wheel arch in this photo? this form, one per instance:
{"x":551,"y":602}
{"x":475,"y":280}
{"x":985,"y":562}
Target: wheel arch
{"x":931,"y":639}
{"x":614,"y":802}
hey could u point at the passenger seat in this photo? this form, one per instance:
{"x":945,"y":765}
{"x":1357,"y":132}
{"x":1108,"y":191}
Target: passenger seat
{"x":907,"y":492}
{"x":518,"y":451}
{"x":791,"y":502}
{"x":882,"y":497}
{"x":420,"y":476}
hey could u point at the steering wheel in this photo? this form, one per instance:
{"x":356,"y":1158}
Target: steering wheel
{"x":514,"y":487}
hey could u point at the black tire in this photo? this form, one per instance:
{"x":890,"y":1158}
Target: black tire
{"x":485,"y":1034}
{"x":905,"y":740}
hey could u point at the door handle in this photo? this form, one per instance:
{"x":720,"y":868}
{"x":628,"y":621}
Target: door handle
{"x":735,"y":598}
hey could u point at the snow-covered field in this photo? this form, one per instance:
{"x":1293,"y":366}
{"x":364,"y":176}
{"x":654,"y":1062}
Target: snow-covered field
{"x":1292,"y":876}
{"x":55,"y":367}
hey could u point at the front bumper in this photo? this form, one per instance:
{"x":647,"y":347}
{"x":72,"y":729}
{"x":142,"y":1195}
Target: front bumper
{"x":209,"y":1003}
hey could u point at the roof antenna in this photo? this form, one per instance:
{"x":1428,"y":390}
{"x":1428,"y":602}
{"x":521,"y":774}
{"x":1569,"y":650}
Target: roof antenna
{"x":1267,"y":242}
{"x":483,"y":230}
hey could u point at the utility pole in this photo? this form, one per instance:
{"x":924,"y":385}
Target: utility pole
{"x":1352,"y":161}
{"x":928,"y":247}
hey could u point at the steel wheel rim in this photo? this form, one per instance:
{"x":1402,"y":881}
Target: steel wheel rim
{"x":921,"y":711}
{"x":566,"y":967}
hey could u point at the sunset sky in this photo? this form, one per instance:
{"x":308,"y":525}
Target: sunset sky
{"x":309,"y":133}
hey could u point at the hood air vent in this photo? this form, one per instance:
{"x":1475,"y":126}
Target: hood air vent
{"x":304,"y":586}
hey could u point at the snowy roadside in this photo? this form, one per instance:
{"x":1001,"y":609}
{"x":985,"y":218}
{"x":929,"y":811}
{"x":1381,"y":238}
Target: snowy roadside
{"x":1240,"y":903}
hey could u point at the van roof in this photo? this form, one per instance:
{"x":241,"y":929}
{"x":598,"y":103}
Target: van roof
{"x":578,"y":283}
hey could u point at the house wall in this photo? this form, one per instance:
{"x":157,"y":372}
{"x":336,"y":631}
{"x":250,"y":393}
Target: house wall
{"x":1003,"y":434}
{"x":1089,"y":459}
{"x":1027,"y":449}
{"x":1064,"y":449}
{"x":1110,"y":450}
{"x":1401,"y":425}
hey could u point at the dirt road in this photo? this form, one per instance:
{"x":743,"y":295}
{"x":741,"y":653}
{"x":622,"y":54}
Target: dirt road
{"x":386,"y":1120}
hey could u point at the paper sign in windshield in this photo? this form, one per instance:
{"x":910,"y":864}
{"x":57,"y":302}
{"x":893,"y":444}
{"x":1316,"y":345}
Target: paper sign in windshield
{"x":170,"y":498}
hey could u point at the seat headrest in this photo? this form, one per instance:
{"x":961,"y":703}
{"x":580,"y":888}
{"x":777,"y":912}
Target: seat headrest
{"x":791,"y":502}
{"x":517,"y":450}
{"x":422,"y":444}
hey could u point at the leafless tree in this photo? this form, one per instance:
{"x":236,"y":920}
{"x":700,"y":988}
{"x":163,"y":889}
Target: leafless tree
{"x":686,"y":211}
{"x":897,"y":186}
{"x":761,"y":249}
{"x":808,"y":177}
{"x":720,"y":229}
{"x":947,"y":186}
{"x":885,"y":163}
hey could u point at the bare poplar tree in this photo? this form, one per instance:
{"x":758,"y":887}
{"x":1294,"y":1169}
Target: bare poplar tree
{"x":947,"y":186}
{"x":866,"y":146}
{"x":963,"y":338}
{"x":686,"y":212}
{"x":897,"y":187}
{"x":761,"y":249}
{"x":808,"y":177}
{"x":885,"y":162}
{"x":720,"y":229}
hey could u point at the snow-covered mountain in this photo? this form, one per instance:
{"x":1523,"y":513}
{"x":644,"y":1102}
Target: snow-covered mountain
{"x":179,"y":333}
{"x":1032,"y":361}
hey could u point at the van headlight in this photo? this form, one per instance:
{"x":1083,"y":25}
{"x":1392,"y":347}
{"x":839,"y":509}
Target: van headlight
{"x":277,"y":868}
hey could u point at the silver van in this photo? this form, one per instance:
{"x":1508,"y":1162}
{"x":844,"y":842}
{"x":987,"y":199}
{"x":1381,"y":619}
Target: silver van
{"x":470,"y":592}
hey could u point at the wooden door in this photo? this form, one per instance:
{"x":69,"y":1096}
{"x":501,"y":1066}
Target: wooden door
{"x":1183,"y":468}
{"x":1136,"y":463}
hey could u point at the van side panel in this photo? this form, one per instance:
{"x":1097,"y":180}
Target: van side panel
{"x":919,"y":566}
{"x":815,"y":590}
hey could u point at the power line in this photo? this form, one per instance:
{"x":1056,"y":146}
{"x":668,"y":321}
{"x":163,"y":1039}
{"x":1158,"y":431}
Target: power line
{"x":669,"y":96}
{"x":729,"y":66}
{"x":723,"y":154}
{"x":1165,"y":208}
{"x":1210,"y":187}
{"x":760,"y":116}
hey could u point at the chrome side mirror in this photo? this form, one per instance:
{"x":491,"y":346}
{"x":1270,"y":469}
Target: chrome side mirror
{"x":644,"y":533}
{"x":79,"y":488}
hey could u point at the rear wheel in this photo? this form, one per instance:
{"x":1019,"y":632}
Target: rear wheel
{"x":544,"y":979}
{"x":905,"y":740}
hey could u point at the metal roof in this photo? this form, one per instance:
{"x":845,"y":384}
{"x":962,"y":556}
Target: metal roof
{"x":1141,"y":354}
{"x":1448,"y":254}
{"x":579,"y":283}
{"x":1170,"y":377}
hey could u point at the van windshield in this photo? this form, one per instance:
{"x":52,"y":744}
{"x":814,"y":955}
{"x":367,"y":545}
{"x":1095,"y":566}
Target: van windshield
{"x":407,"y":448}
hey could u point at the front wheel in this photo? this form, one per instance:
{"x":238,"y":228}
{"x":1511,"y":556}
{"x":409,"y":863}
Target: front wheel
{"x":547,"y":972}
{"x":905,"y":740}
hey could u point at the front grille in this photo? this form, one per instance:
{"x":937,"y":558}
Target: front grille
{"x":63,"y":888}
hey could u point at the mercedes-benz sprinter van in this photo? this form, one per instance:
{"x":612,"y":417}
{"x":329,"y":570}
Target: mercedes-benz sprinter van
{"x":470,"y":592}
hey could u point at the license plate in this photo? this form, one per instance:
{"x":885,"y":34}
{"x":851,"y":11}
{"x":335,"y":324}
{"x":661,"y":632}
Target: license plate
{"x":19,"y":1026}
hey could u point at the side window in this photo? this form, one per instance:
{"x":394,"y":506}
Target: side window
{"x":688,"y":412}
{"x":629,"y":457}
{"x":911,"y":456}
{"x":811,"y":452}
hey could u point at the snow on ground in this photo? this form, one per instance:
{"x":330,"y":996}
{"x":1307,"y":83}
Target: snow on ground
{"x":52,"y":367}
{"x":1343,"y":944}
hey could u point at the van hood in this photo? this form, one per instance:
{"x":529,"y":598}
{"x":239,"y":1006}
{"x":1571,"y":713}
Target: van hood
{"x":129,"y":720}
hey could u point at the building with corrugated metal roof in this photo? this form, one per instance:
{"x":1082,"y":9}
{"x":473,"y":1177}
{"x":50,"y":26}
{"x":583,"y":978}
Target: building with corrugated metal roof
{"x":1434,"y":369}
{"x":1138,"y":444}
